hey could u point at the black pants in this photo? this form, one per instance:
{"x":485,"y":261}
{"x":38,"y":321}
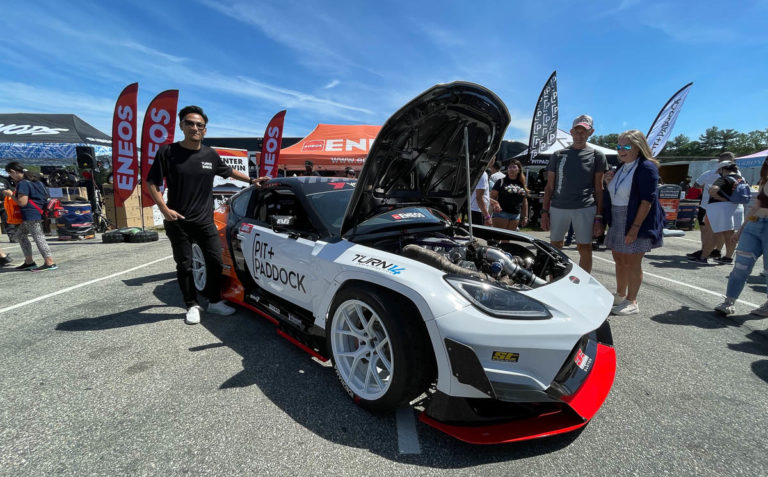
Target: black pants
{"x":182,"y":234}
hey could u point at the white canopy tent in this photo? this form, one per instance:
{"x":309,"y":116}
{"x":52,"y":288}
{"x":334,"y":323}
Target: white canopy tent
{"x":564,"y":140}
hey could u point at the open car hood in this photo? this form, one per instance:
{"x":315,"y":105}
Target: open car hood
{"x":418,"y":157}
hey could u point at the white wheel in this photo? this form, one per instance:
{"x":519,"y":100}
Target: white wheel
{"x":199,"y":273}
{"x":362,"y":350}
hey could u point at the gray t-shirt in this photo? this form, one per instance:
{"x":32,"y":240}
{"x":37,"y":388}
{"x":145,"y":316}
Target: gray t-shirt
{"x":575,"y":171}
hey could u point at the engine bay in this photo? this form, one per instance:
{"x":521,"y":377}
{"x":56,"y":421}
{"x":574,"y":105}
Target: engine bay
{"x":509,"y":259}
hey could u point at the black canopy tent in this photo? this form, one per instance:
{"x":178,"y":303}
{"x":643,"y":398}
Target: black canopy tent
{"x":47,"y":139}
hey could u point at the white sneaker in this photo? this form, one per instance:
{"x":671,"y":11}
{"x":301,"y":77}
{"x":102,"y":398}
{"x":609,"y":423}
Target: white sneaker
{"x":626,"y":307}
{"x":193,"y":315}
{"x":726,"y":308}
{"x":220,"y":308}
{"x":762,"y":311}
{"x":617,"y":299}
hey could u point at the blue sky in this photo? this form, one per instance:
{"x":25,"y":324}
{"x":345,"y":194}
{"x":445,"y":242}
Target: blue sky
{"x":357,"y":62}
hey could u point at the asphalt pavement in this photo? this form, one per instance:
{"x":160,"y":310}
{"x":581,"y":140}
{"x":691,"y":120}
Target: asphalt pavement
{"x":100,"y":375}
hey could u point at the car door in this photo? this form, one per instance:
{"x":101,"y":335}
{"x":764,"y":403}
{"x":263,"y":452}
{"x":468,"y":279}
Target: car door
{"x":277,"y":242}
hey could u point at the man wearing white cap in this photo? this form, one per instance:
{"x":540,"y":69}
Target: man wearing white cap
{"x":574,"y":192}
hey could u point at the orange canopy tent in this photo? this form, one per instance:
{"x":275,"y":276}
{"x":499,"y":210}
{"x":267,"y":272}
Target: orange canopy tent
{"x":330,"y":147}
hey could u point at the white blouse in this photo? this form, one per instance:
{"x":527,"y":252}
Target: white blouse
{"x":621,"y":184}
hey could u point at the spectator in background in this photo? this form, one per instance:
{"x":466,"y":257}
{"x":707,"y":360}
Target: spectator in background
{"x":481,"y":204}
{"x":704,"y":182}
{"x":685,"y":184}
{"x":496,"y":174}
{"x":31,"y":197}
{"x":634,"y":217}
{"x":349,"y":172}
{"x":5,"y":258}
{"x":309,"y":169}
{"x":725,"y":217}
{"x":752,"y":239}
{"x":575,"y":192}
{"x":512,"y":196}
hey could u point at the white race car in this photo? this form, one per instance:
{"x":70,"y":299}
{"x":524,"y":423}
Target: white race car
{"x":493,"y":335}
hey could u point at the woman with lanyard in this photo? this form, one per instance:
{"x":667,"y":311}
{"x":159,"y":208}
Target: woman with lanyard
{"x":30,"y":196}
{"x":634,"y":216}
{"x":752,"y":239}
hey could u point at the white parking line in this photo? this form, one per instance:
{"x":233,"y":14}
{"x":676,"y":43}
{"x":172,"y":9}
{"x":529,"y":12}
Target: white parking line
{"x":75,"y":287}
{"x":407,"y":436}
{"x":683,"y":238}
{"x":719,"y":295}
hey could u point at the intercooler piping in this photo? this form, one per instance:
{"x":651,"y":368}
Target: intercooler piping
{"x":436,"y":260}
{"x":513,"y":270}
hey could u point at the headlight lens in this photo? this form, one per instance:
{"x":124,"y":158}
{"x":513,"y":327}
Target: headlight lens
{"x":499,"y":302}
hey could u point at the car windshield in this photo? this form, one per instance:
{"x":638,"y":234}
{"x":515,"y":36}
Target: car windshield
{"x":330,"y":206}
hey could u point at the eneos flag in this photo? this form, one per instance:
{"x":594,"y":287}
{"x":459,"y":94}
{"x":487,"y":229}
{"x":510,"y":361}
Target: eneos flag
{"x":125,"y":163}
{"x":159,"y":124}
{"x":270,"y":147}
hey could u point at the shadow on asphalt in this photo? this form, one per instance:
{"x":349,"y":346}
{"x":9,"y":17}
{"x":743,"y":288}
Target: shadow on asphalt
{"x":679,"y":262}
{"x":167,"y":293}
{"x":312,"y":396}
{"x":757,"y":341}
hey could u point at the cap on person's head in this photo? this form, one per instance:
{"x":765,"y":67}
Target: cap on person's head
{"x":308,"y":163}
{"x":728,"y":165}
{"x":726,"y":156}
{"x":584,"y":121}
{"x":349,"y":170}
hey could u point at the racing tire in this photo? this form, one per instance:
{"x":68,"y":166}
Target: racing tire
{"x":199,"y":271}
{"x":113,"y":236}
{"x":143,"y":236}
{"x":378,"y":348}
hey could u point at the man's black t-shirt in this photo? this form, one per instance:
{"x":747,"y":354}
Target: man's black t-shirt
{"x":511,"y":194}
{"x":189,"y":176}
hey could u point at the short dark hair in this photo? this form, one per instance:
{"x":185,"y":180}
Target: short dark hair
{"x":192,"y":109}
{"x":19,"y":167}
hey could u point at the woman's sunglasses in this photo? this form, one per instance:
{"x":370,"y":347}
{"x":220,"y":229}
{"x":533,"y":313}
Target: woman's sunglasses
{"x":626,"y":148}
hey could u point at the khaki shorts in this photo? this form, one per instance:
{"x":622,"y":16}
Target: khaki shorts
{"x":561,"y":219}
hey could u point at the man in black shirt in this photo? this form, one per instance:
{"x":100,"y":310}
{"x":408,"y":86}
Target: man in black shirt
{"x":188,"y":168}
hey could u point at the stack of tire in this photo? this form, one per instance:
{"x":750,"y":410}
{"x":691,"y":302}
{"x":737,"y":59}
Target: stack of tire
{"x":129,"y":234}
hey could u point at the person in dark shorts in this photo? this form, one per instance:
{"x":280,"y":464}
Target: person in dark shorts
{"x":512,"y":195}
{"x":188,"y":167}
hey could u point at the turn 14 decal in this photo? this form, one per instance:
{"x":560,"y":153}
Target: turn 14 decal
{"x":378,"y":264}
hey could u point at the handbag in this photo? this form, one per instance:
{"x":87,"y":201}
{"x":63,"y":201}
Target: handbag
{"x":13,"y":211}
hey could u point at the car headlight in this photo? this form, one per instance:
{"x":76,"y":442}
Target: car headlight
{"x":499,"y":302}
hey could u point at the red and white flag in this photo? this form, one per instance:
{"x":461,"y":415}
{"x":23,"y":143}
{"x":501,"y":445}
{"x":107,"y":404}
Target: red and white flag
{"x":270,"y":147}
{"x":125,"y":164}
{"x":159,"y":124}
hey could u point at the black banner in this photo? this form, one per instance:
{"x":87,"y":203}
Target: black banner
{"x":544,"y":124}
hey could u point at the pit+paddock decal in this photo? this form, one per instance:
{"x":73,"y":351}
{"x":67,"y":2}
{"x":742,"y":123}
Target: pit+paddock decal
{"x":262,"y":267}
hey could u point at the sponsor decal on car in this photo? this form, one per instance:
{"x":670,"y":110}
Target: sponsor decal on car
{"x":409,"y":215}
{"x":245,"y":227}
{"x":574,"y":280}
{"x":378,"y":264}
{"x":505,"y":356}
{"x":582,"y":360}
{"x":262,"y":267}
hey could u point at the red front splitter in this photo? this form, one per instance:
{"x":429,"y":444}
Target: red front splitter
{"x":579,"y":408}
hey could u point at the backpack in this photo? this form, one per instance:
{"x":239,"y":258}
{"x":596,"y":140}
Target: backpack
{"x":741,"y":193}
{"x":51,"y":208}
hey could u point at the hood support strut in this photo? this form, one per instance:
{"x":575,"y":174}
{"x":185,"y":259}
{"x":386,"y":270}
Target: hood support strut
{"x":469,"y":185}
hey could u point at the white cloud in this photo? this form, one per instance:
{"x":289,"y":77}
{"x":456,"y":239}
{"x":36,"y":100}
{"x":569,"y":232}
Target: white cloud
{"x":332,"y":84}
